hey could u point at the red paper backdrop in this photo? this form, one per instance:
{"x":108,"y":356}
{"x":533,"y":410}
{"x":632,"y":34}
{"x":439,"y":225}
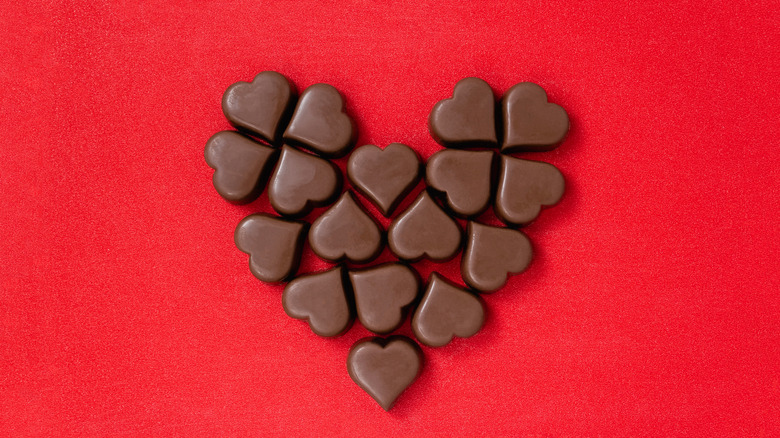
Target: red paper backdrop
{"x":651,"y":307}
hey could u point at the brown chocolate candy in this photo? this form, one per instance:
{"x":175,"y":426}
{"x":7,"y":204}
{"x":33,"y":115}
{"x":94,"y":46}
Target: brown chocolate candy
{"x":273,"y":244}
{"x":261,"y":107}
{"x":302,"y":181}
{"x":383,"y":295}
{"x":446,"y":311}
{"x":464,"y":177}
{"x":530,"y":122}
{"x":384,"y":368}
{"x":320,"y":124}
{"x":322,"y":299}
{"x":524,"y":187}
{"x":467,"y":119}
{"x":424,"y":230}
{"x":385,"y":176}
{"x":241,"y":166}
{"x":345,"y":231}
{"x":491,"y":254}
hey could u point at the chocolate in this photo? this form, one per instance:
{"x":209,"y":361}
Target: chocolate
{"x":464,"y":177}
{"x":322,"y":299}
{"x":384,"y":368}
{"x":262,"y":107}
{"x":467,"y":119}
{"x":424,"y":230}
{"x":345,"y":231}
{"x":383,"y":295}
{"x":384,"y":176}
{"x":531,"y":124}
{"x":524,"y":187}
{"x":302,"y":181}
{"x":273,"y":244}
{"x":241,"y":166}
{"x":446,"y":311}
{"x":320,"y":124}
{"x":491,"y":254}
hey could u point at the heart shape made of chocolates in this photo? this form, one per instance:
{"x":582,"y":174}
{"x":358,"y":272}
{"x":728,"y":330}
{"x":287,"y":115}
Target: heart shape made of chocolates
{"x":460,"y":183}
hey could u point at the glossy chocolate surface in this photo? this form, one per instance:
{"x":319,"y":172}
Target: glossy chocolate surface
{"x":530,"y":122}
{"x":383,"y":295}
{"x":273,"y":244}
{"x":322,"y":299}
{"x":467,"y":119}
{"x":464,"y":177}
{"x":262,"y":107}
{"x":241,"y":166}
{"x":384,"y":176}
{"x":320,"y":124}
{"x":493,"y":253}
{"x":346,"y":231}
{"x":524,"y":187}
{"x":446,"y":311}
{"x":302,"y":181}
{"x":424,"y":230}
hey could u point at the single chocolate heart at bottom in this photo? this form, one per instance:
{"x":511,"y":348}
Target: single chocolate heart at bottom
{"x":491,"y":254}
{"x":424,"y":230}
{"x":273,"y":244}
{"x":384,"y":176}
{"x":384,"y":368}
{"x":446,"y":311}
{"x":524,"y":187}
{"x":383,"y":295}
{"x":322,"y":299}
{"x":302,"y":181}
{"x":241,"y":165}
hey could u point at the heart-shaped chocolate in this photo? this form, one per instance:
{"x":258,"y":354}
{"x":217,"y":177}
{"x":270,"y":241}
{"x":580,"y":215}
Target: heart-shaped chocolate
{"x":464,"y":177}
{"x":531,"y":123}
{"x":345,"y":231}
{"x":467,"y":119}
{"x":273,"y":244}
{"x":302,"y":181}
{"x":320,"y":124}
{"x":424,"y":230}
{"x":261,"y":107}
{"x":446,"y":311}
{"x":524,"y":187}
{"x":385,"y":176}
{"x":321,"y":299}
{"x":383,"y":295}
{"x":384,"y":368}
{"x":491,"y":254}
{"x":241,"y":166}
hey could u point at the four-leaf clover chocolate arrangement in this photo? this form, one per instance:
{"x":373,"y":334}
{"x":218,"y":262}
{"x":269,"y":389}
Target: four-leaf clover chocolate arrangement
{"x":285,"y":142}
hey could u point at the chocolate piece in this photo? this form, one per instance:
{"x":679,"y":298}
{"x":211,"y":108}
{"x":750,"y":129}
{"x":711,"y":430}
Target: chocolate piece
{"x":467,"y":119}
{"x":464,"y":177}
{"x":322,"y":300}
{"x":424,"y":230}
{"x":445,"y":311}
{"x":383,"y":295}
{"x":384,"y":368}
{"x":524,"y":187}
{"x":530,"y":122}
{"x":301,"y":182}
{"x":261,"y":107}
{"x":320,"y":124}
{"x":384,"y":176}
{"x":491,"y":254}
{"x":273,"y":244}
{"x":345,"y":231}
{"x":241,"y":166}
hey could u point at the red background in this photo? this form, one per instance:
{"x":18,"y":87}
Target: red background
{"x":651,"y":307}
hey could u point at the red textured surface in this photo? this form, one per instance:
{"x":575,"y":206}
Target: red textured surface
{"x":652,"y":307}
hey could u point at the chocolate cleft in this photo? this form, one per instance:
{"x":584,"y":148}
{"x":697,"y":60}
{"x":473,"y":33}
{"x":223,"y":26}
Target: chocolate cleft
{"x":446,"y":311}
{"x":463,"y":177}
{"x":384,"y":368}
{"x":384,"y":295}
{"x":530,"y":122}
{"x":320,"y":123}
{"x":241,"y":166}
{"x":384,"y":176}
{"x":524,"y":187}
{"x":467,"y":119}
{"x":346,"y":232}
{"x":493,"y":253}
{"x":260,"y":108}
{"x":324,"y":300}
{"x":424,"y":230}
{"x":274,"y":245}
{"x":302,"y":181}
